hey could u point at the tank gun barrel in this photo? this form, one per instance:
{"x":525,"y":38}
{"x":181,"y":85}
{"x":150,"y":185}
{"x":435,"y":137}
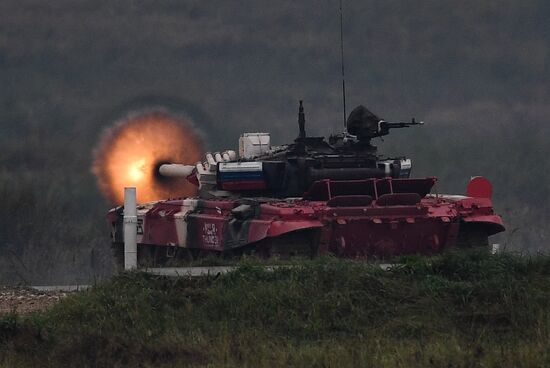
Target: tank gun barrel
{"x":176,"y":170}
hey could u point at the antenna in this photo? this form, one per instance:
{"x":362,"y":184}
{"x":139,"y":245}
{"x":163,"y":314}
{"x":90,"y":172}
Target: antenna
{"x":342,"y":62}
{"x":301,"y":121}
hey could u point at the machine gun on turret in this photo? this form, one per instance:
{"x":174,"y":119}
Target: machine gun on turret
{"x":365,"y":125}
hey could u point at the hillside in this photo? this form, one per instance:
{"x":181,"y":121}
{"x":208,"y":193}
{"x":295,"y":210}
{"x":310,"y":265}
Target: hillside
{"x":476,"y":71}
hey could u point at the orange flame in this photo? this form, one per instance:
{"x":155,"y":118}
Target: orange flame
{"x":130,"y":152}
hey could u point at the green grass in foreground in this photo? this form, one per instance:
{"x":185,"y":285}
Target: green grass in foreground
{"x":456,"y":310}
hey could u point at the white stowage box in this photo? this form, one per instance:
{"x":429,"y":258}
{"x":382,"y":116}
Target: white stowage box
{"x":253,"y":144}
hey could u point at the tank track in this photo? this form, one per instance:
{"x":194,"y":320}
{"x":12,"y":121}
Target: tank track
{"x":298,"y":244}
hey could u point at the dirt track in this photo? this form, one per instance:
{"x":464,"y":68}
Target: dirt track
{"x":26,"y":300}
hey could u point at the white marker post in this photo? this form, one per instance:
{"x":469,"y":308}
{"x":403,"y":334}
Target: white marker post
{"x":130,"y":229}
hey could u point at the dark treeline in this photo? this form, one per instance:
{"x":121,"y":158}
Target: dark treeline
{"x":476,"y":71}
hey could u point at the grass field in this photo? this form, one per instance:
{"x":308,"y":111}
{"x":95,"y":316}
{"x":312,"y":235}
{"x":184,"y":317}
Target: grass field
{"x":456,"y":310}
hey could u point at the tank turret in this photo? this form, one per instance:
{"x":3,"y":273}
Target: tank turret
{"x":289,"y":170}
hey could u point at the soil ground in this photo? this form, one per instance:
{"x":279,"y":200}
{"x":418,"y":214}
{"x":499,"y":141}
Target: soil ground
{"x":26,"y":300}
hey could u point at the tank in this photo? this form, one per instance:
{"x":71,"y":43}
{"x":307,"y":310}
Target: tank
{"x":313,"y":196}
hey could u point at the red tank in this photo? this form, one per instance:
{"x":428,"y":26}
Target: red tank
{"x":311,"y":197}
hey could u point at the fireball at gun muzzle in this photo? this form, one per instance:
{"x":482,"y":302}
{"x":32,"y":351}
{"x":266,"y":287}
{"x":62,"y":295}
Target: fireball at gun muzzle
{"x":132,"y":151}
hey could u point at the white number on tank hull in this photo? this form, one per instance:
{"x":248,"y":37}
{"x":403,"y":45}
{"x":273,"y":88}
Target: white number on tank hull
{"x":210,"y":235}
